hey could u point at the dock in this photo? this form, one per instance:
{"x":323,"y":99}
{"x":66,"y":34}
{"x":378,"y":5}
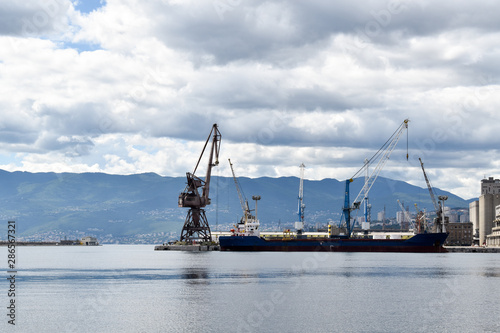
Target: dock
{"x":472,"y":249}
{"x":191,"y":248}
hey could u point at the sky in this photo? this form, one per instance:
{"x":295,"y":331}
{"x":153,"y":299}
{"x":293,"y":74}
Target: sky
{"x":129,"y":86}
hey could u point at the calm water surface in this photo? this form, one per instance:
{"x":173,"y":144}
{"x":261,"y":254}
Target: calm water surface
{"x":132,"y":288}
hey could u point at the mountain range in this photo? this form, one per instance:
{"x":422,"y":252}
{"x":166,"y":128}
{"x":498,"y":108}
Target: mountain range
{"x":114,"y":206}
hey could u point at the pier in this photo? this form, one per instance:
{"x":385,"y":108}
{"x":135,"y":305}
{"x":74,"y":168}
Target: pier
{"x":472,"y":249}
{"x":186,"y":247}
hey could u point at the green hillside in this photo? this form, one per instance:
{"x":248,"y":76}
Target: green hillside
{"x":125,"y":206}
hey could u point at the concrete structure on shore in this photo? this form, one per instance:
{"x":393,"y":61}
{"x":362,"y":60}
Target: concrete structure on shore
{"x":490,"y":186}
{"x":474,"y":217}
{"x":493,"y":239}
{"x":482,"y":212}
{"x":88,"y":240}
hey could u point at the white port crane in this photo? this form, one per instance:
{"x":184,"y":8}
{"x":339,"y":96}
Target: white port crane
{"x":302,"y":206}
{"x":248,"y":224}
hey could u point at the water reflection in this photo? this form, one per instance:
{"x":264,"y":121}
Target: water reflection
{"x":490,"y":272}
{"x":196,"y":275}
{"x":183,"y":292}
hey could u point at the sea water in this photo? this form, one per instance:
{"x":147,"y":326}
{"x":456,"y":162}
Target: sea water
{"x":132,"y":288}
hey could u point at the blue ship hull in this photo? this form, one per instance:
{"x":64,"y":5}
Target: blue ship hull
{"x":430,"y":242}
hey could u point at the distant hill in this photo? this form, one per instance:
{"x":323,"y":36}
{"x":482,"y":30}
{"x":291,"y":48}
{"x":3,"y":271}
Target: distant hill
{"x":117,"y":205}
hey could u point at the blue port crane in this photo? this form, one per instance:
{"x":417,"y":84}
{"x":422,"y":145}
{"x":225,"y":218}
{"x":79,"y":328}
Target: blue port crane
{"x":380,"y":158}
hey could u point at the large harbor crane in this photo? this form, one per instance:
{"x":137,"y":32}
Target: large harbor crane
{"x":380,"y":157}
{"x":196,"y":227}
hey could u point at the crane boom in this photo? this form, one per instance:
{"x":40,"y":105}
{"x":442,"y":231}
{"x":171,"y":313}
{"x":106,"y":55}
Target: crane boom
{"x":241,"y":195}
{"x":431,"y":191}
{"x":383,"y":156}
{"x":441,"y":221}
{"x":190,"y":197}
{"x":406,"y":214}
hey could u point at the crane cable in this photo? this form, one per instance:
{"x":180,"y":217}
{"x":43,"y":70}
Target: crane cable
{"x":407,"y":140}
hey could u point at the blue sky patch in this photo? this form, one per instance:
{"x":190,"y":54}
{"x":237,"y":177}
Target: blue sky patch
{"x":87,"y":6}
{"x":82,"y":47}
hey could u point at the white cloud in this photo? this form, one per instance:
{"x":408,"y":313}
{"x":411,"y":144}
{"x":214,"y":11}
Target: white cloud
{"x":134,"y":86}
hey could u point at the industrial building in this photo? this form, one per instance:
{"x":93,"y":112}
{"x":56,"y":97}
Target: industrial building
{"x":490,"y":186}
{"x":482,"y":212}
{"x":460,"y":234}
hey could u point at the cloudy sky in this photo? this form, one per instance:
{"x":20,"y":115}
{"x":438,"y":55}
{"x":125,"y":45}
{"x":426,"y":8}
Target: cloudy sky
{"x":130,"y":86}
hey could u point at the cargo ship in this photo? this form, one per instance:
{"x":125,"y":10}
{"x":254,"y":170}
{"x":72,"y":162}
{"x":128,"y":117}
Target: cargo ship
{"x":246,"y":237}
{"x":426,"y":242}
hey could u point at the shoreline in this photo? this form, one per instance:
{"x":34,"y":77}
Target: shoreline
{"x":4,"y":243}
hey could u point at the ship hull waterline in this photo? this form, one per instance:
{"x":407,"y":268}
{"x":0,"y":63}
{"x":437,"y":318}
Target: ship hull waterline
{"x":421,"y":243}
